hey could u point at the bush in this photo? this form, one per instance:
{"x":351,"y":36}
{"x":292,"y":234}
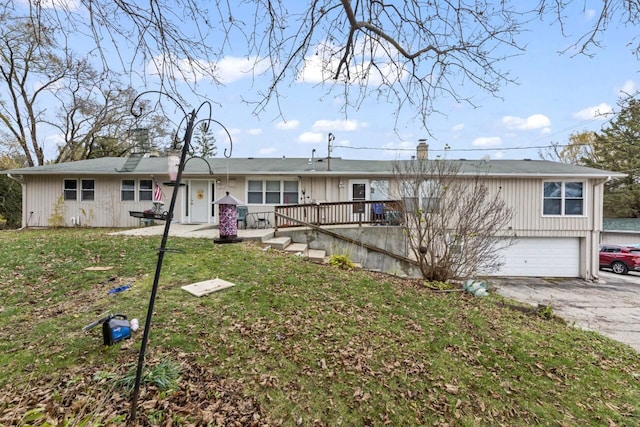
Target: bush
{"x":341,"y":261}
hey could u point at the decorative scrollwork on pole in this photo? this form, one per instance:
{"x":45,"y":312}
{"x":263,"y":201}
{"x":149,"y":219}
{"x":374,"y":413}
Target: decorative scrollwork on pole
{"x":183,"y":144}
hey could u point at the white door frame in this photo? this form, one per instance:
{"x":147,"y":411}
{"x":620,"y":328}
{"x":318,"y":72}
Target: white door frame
{"x":364,"y":215}
{"x":367,"y":188}
{"x":199,"y":199}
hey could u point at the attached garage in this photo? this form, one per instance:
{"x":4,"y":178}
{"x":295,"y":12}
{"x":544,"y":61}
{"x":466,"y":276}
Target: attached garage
{"x":542,"y":256}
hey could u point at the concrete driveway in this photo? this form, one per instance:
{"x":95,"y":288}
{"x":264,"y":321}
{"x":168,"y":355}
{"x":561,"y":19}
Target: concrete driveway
{"x":610,"y":306}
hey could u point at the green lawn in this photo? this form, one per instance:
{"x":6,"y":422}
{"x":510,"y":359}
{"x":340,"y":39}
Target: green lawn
{"x":293,"y":343}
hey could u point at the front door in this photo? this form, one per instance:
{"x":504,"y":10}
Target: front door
{"x":199,"y":200}
{"x":358,"y":193}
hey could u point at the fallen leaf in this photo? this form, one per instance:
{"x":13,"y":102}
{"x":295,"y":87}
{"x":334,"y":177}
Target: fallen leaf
{"x":451,"y":388}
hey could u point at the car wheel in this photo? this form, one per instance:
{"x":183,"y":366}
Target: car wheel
{"x":619,"y":267}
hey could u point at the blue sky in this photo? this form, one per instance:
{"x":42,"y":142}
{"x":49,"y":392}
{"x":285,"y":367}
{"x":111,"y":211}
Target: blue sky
{"x":556,"y":95}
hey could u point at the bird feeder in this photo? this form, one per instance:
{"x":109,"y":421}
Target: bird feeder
{"x":228,"y":219}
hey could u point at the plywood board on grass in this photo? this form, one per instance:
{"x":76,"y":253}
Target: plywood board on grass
{"x":208,"y":286}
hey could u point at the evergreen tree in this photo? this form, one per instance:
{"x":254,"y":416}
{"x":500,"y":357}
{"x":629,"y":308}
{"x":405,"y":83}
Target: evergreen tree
{"x":617,"y":148}
{"x":204,"y":143}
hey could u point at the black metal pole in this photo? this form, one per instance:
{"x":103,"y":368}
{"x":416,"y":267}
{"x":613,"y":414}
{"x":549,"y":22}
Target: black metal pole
{"x":156,"y":279}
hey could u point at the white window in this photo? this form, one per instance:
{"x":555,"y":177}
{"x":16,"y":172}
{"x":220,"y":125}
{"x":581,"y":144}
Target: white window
{"x":379,"y":189}
{"x":563,"y":198}
{"x":254,"y":193}
{"x":430,"y":192}
{"x":290,"y":194}
{"x":145,"y":192}
{"x":143,"y":188}
{"x":272,"y":192}
{"x":88,"y":190}
{"x":70,"y":189}
{"x":423,"y":195}
{"x":128,"y":190}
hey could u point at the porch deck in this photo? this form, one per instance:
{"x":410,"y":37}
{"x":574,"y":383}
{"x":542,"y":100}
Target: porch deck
{"x":375,"y":212}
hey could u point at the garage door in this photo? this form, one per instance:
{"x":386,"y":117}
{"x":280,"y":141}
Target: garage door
{"x":540,"y":256}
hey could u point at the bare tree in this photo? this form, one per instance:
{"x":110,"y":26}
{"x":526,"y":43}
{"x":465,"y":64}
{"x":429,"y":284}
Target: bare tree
{"x":26,"y":52}
{"x":455,"y":224}
{"x":409,"y":53}
{"x":45,"y":84}
{"x":96,"y":121}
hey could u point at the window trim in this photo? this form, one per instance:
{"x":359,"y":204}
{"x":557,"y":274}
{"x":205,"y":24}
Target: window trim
{"x":65,"y":189}
{"x":148,"y":191}
{"x":263,"y":191}
{"x":563,"y":199}
{"x":122,"y":199}
{"x":87,"y":191}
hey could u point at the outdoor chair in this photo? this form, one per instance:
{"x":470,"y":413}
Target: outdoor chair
{"x":377,"y":212}
{"x":243,"y":211}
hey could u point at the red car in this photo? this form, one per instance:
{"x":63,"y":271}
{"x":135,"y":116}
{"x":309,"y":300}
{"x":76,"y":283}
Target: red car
{"x":620,"y":259}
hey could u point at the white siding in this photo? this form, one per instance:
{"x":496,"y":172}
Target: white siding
{"x":525,"y":197}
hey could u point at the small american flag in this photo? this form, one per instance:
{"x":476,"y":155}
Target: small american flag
{"x":157,"y":194}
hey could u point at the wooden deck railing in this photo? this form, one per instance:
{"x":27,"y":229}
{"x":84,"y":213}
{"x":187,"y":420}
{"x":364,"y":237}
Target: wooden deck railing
{"x":387,"y":212}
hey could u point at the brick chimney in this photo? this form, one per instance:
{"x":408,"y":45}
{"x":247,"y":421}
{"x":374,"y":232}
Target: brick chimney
{"x":422,"y":151}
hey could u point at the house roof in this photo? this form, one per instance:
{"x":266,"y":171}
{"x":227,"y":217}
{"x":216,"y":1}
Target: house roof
{"x":303,"y":167}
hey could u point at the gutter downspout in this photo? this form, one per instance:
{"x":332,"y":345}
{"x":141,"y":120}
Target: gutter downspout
{"x":595,"y":232}
{"x":19,"y":180}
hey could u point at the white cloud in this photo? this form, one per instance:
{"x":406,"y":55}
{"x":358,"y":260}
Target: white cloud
{"x":337,"y":125}
{"x":56,"y":139}
{"x":457,"y":128}
{"x":311,"y":137}
{"x":629,"y":88}
{"x":599,"y":111}
{"x":402,"y":145}
{"x":322,"y":65}
{"x":315,"y":71}
{"x":487,"y":141}
{"x":223,"y":138}
{"x":589,"y":14}
{"x":255,"y":131}
{"x":535,"y":121}
{"x":288,"y":125}
{"x":498,"y":155}
{"x":229,"y":69}
{"x":56,"y":4}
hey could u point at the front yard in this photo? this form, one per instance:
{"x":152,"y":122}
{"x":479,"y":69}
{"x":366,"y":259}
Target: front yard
{"x":293,"y":343}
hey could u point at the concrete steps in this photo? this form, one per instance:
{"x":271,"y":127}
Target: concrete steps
{"x":299,"y":248}
{"x":285,"y":244}
{"x":278,"y":242}
{"x":316,"y":255}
